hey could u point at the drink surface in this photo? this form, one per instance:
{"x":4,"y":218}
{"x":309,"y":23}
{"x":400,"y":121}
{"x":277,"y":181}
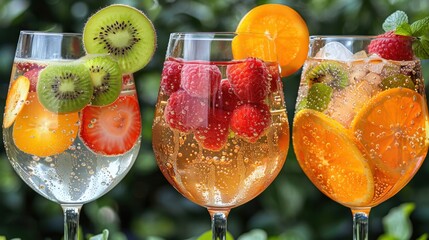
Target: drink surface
{"x":240,"y":167}
{"x":360,"y":128}
{"x":70,"y":157}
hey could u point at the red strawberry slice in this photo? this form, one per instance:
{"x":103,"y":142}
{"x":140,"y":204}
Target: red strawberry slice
{"x":200,"y":80}
{"x":112,"y":129}
{"x":250,"y":121}
{"x":225,"y":98}
{"x":184,"y":112}
{"x":33,"y":76}
{"x":170,"y":78}
{"x":250,"y":79}
{"x":391,"y":46}
{"x":214,"y":135}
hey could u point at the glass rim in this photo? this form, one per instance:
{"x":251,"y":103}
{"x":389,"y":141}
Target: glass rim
{"x":202,"y":35}
{"x":348,"y":37}
{"x":46,"y":33}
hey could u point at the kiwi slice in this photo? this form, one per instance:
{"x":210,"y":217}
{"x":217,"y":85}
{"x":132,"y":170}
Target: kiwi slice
{"x":398,"y":80}
{"x":121,"y":31}
{"x":319,"y":96}
{"x":329,"y":72}
{"x":65,"y":87}
{"x":106,"y":78}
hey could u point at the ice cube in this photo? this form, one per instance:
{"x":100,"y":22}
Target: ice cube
{"x":335,"y":51}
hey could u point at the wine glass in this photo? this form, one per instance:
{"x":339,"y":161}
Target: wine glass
{"x":68,"y":144}
{"x":220,"y":131}
{"x":360,"y":126}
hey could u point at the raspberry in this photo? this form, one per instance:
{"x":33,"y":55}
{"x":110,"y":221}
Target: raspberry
{"x":225,"y":98}
{"x":250,"y":79}
{"x":200,"y":80}
{"x":184,"y":112}
{"x":170,"y":80}
{"x":391,"y":46}
{"x":214,"y":135}
{"x":250,"y":120}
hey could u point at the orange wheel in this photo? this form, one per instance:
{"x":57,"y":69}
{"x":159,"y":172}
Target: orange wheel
{"x":393,"y":128}
{"x":288,"y":29}
{"x":15,"y":101}
{"x":330,"y":157}
{"x":42,"y":133}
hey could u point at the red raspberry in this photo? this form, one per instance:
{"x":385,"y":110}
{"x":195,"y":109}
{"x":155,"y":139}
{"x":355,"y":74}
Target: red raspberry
{"x":214,"y":135}
{"x":250,"y":120}
{"x":276,"y":81}
{"x":170,"y":78}
{"x":250,"y":79}
{"x":27,"y":66}
{"x":391,"y":46}
{"x":200,"y":80}
{"x":184,"y":112}
{"x":225,"y":97}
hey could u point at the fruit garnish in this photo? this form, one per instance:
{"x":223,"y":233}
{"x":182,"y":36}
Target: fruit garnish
{"x":250,"y":79}
{"x":65,"y":87}
{"x":106,"y":79}
{"x":121,"y":31}
{"x":112,"y":129}
{"x":214,"y":134}
{"x":226,"y":98}
{"x":200,"y":80}
{"x":330,"y":158}
{"x":170,"y":78}
{"x":249,"y":121}
{"x":392,"y":127}
{"x":184,"y":112}
{"x":332,"y":73}
{"x":285,"y":26}
{"x":15,"y":100}
{"x":318,"y":97}
{"x":402,"y":40}
{"x":33,"y":76}
{"x":27,"y":66}
{"x":398,"y":80}
{"x":42,"y":133}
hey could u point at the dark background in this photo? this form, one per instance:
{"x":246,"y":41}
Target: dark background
{"x":144,"y":204}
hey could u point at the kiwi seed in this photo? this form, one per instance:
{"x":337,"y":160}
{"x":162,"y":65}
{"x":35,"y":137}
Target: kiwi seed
{"x":124,"y":32}
{"x":329,"y":72}
{"x":106,"y":78}
{"x":398,"y":80}
{"x":64,"y":87}
{"x":319,"y":96}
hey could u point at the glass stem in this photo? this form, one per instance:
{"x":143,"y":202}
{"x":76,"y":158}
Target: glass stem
{"x":360,"y":224}
{"x":219,"y":224}
{"x":71,"y":221}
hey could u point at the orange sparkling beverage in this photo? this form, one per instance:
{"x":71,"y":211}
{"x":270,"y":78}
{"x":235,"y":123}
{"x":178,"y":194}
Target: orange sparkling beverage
{"x":216,"y":165}
{"x":360,"y":131}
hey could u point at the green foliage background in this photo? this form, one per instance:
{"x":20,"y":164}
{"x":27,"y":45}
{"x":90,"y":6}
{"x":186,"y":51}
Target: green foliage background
{"x":144,"y":204}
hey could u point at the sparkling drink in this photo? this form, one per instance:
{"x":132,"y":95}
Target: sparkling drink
{"x":233,"y":171}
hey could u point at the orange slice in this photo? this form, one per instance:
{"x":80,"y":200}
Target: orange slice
{"x":331,"y":159}
{"x":42,"y":133}
{"x":393,"y":128}
{"x":16,"y":97}
{"x":285,"y":26}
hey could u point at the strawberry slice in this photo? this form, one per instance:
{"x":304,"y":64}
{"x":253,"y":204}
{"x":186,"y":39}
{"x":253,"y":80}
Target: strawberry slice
{"x":112,"y":129}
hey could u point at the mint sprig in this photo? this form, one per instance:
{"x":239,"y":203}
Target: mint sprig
{"x":398,"y":22}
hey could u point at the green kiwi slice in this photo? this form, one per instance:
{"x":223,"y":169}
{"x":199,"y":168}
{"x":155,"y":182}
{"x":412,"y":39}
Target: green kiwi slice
{"x":121,"y":31}
{"x":397,"y":80}
{"x":106,"y":78}
{"x":319,"y":96}
{"x":329,"y":72}
{"x":64,"y":87}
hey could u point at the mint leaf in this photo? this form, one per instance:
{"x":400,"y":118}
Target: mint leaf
{"x":420,"y":27}
{"x":404,"y":29}
{"x":421,"y":48}
{"x":394,"y":20}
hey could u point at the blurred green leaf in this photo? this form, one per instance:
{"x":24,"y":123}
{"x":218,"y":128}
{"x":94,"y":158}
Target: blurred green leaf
{"x":397,"y":224}
{"x":208,"y":236}
{"x":102,"y":236}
